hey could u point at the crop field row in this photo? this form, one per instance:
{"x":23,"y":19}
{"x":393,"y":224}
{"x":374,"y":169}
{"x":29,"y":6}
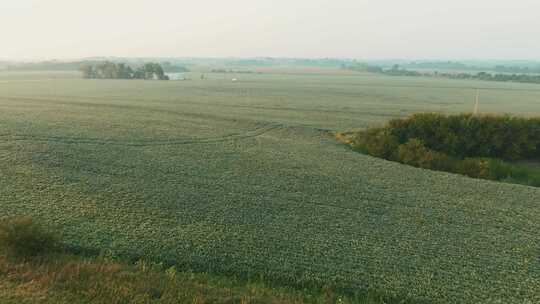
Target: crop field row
{"x":243,"y":178}
{"x":141,"y":142}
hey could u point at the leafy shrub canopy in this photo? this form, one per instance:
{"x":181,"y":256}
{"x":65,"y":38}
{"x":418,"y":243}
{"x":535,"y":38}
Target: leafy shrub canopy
{"x":471,"y":145}
{"x":465,"y":135}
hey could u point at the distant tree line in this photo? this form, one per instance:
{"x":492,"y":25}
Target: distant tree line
{"x":524,"y":78}
{"x":111,"y":70}
{"x":396,"y":70}
{"x":529,"y":68}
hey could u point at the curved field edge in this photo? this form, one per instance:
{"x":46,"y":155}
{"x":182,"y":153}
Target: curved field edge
{"x":493,"y":147}
{"x":420,"y":234}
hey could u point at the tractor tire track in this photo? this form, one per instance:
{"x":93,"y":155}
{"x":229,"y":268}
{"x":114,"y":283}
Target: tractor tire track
{"x":173,"y":112}
{"x":142,"y":143}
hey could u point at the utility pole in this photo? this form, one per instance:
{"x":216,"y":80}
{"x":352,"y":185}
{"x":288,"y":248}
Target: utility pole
{"x":477,"y":103}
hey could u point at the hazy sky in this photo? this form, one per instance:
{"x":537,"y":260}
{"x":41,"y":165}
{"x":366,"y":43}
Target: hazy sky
{"x":452,"y":29}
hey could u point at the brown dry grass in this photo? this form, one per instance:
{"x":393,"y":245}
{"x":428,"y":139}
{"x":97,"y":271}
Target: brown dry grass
{"x":72,"y":279}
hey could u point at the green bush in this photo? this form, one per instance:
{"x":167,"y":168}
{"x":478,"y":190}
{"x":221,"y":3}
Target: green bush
{"x":466,"y":135}
{"x":474,"y":167}
{"x":377,"y":142}
{"x":523,"y":174}
{"x":22,"y":237}
{"x":414,"y":153}
{"x":499,"y":170}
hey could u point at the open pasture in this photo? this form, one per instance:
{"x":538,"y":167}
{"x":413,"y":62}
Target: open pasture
{"x":245,"y":178}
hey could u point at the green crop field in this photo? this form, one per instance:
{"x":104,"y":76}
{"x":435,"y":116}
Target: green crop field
{"x":246,"y":178}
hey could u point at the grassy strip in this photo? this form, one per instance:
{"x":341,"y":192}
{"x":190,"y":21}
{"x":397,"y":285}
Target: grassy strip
{"x":33,"y":269}
{"x":72,"y":279}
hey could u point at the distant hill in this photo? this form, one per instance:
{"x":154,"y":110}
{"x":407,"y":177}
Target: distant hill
{"x":179,"y":65}
{"x":56,"y":65}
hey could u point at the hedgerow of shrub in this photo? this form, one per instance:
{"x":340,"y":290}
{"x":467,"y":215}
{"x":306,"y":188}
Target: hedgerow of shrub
{"x":466,"y":135}
{"x":476,"y":146}
{"x":22,"y":237}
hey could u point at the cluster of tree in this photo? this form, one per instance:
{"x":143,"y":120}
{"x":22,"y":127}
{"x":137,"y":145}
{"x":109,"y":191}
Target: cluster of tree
{"x":477,"y":146}
{"x":111,"y":70}
{"x":467,"y":135}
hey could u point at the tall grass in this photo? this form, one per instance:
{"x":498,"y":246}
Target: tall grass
{"x":22,"y":237}
{"x":68,"y":278}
